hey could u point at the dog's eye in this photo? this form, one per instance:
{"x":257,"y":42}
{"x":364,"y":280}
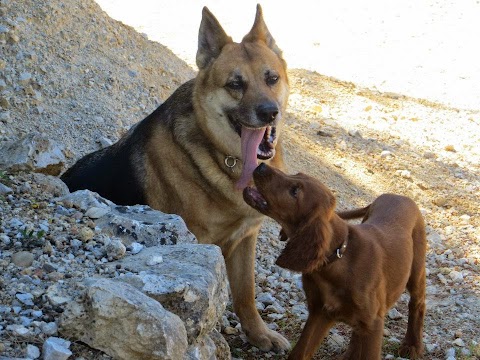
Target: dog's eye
{"x":271,"y":79}
{"x":236,"y":84}
{"x":294,"y":190}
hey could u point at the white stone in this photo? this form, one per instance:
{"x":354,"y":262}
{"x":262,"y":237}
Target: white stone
{"x":458,"y":342}
{"x":55,"y":348}
{"x":456,"y":276}
{"x":155,"y":260}
{"x":394,"y":314}
{"x":32,"y":352}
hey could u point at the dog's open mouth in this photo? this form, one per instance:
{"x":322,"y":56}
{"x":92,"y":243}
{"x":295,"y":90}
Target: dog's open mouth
{"x":266,"y":148}
{"x":257,"y":143}
{"x":253,"y":198}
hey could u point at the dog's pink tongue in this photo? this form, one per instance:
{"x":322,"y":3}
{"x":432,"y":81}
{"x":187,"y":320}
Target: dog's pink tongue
{"x":251,"y":139}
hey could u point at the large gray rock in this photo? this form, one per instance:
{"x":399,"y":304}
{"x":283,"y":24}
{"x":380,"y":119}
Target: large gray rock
{"x":34,"y":152}
{"x":50,"y":184}
{"x":139,"y":223}
{"x":188,"y":280}
{"x":116,"y":318}
{"x":165,"y":307}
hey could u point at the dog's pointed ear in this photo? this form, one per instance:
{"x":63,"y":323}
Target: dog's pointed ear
{"x":259,"y":32}
{"x":306,"y":249}
{"x":211,"y":39}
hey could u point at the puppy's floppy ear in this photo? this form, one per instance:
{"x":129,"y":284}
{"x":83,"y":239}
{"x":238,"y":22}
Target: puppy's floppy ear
{"x":306,"y":249}
{"x":211,"y":39}
{"x":259,"y":32}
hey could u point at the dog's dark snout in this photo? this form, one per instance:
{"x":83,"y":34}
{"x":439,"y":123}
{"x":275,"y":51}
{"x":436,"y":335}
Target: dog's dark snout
{"x":267,"y":112}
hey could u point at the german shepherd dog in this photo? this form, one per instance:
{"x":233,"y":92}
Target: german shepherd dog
{"x":196,"y":152}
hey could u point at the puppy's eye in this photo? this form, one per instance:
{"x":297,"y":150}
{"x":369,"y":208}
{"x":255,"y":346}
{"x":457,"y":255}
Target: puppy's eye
{"x":294,"y":190}
{"x":271,"y":79}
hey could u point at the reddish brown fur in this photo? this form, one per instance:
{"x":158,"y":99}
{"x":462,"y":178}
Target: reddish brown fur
{"x":385,"y":255}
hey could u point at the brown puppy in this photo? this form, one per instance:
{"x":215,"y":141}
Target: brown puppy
{"x":194,"y":153}
{"x":351,"y":273}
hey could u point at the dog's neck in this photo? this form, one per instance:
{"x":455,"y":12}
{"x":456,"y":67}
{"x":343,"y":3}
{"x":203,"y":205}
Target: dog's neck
{"x":339,"y":242}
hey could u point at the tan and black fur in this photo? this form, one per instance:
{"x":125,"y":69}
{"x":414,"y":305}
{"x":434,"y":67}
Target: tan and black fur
{"x":175,"y":160}
{"x":350,"y":273}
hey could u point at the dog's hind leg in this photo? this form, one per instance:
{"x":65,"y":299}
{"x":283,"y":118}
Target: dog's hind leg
{"x":412,"y":345}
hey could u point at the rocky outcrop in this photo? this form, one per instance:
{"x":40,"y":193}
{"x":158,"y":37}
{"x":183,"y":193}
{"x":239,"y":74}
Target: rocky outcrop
{"x":131,"y":223}
{"x":189,"y":281}
{"x":34,"y":152}
{"x":166,"y":303}
{"x":166,"y":307}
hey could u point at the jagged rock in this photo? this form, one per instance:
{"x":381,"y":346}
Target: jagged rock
{"x":222,"y":350}
{"x":50,"y":184}
{"x":162,"y":309}
{"x":86,"y":199}
{"x":140,"y":223}
{"x":188,"y":280}
{"x":34,"y":152}
{"x":121,"y":321}
{"x":205,"y":348}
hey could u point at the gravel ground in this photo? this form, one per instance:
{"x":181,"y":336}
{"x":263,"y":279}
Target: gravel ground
{"x":69,"y":71}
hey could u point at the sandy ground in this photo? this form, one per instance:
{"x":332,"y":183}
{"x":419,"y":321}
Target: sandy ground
{"x":423,"y":48}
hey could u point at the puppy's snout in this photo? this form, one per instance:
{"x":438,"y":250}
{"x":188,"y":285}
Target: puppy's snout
{"x":267,"y":112}
{"x":261,"y":169}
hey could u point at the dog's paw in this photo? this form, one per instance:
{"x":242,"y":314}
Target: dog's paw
{"x":410,"y":351}
{"x":269,"y":340}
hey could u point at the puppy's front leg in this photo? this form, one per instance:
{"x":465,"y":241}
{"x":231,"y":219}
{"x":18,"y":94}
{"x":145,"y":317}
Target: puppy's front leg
{"x":241,"y":274}
{"x":366,"y":342}
{"x":314,"y":331}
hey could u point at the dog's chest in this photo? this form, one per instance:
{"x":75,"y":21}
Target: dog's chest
{"x":332,"y":300}
{"x":328,"y":295}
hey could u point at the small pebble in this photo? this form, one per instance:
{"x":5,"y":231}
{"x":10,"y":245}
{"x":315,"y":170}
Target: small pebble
{"x":32,"y":352}
{"x":23,"y":259}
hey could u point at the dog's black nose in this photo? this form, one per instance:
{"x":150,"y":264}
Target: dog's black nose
{"x":267,"y":112}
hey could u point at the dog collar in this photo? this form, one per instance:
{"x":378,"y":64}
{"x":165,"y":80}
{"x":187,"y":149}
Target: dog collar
{"x":338,"y":254}
{"x":230,"y":161}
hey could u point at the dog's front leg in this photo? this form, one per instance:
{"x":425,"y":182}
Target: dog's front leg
{"x":241,"y":275}
{"x":366,"y":342}
{"x":313,"y":333}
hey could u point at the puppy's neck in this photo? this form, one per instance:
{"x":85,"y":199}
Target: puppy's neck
{"x":339,"y":234}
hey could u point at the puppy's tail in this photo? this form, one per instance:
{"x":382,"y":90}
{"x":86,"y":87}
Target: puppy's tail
{"x":354,"y":214}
